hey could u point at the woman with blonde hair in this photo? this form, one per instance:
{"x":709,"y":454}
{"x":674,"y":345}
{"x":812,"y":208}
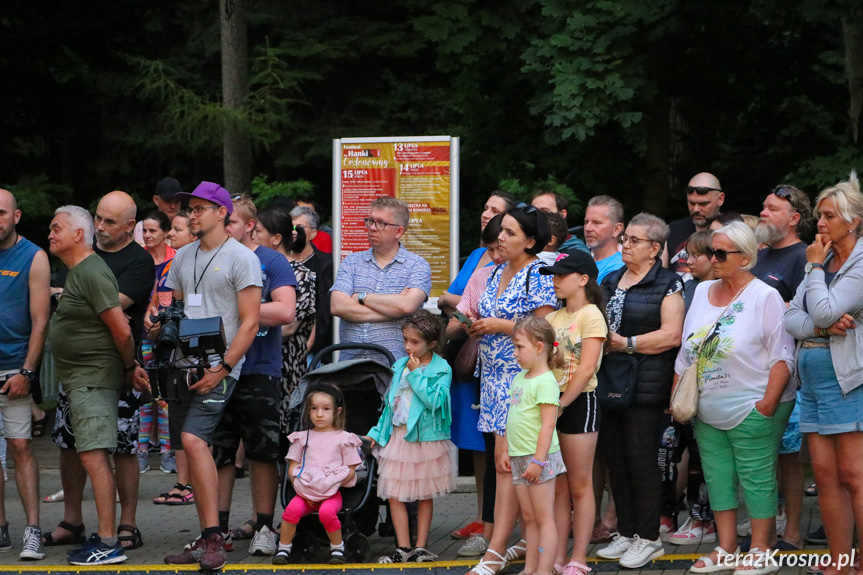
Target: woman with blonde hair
{"x":823,"y":317}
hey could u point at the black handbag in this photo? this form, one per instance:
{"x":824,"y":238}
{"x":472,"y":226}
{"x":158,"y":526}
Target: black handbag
{"x":616,"y":381}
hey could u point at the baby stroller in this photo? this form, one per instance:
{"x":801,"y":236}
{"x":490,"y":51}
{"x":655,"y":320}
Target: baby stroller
{"x":364,"y":383}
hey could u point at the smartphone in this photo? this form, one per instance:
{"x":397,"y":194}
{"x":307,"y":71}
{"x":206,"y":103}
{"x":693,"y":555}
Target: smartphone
{"x":462,"y":318}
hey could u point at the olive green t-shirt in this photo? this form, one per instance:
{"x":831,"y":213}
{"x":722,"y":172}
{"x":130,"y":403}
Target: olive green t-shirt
{"x":84,"y":351}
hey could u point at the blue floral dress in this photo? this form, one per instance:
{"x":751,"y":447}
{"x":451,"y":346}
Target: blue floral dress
{"x":527,"y":291}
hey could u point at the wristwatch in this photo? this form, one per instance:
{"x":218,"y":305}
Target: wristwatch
{"x":362,"y":298}
{"x":30,"y":375}
{"x":811,"y":266}
{"x":630,"y":345}
{"x":228,"y":367}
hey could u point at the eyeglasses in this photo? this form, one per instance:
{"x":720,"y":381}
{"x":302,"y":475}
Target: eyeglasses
{"x":633,"y":240}
{"x":701,"y":190}
{"x":720,"y":255}
{"x":198,"y":210}
{"x":374,"y":224}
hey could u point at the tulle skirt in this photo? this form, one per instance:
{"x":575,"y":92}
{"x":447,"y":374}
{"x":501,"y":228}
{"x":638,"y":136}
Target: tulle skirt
{"x":414,"y":471}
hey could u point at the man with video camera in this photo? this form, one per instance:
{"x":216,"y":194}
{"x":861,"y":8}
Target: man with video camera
{"x":214,"y":277}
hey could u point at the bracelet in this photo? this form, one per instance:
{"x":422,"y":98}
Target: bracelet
{"x":227,"y":366}
{"x":130,"y":368}
{"x":821,"y":332}
{"x":540,"y":463}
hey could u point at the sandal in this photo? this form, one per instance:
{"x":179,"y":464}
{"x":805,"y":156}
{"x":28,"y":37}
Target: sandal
{"x":135,"y":538}
{"x":517,"y":551}
{"x":240,"y":534}
{"x":811,"y":491}
{"x":76,"y":538}
{"x":575,"y":568}
{"x":760,"y":564}
{"x":720,"y":564}
{"x":176,"y":498}
{"x":38,"y":426}
{"x":485,"y":567}
{"x":55,"y":497}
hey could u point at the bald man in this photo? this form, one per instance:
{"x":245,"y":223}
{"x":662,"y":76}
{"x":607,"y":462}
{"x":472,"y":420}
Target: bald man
{"x":704,"y":198}
{"x":135,"y":272}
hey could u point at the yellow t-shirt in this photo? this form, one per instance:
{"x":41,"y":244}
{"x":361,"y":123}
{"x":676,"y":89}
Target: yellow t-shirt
{"x":571,"y":329}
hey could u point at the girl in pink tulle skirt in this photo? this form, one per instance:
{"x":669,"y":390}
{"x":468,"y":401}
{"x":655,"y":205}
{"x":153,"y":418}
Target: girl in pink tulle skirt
{"x":413,"y":432}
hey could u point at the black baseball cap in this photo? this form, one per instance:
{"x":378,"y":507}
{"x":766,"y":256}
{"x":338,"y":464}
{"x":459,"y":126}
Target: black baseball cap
{"x":168,"y":188}
{"x":572,"y":262}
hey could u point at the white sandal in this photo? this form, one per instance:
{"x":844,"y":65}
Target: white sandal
{"x":720,"y":565}
{"x":485,"y":567}
{"x":517,"y":551}
{"x":758,"y":565}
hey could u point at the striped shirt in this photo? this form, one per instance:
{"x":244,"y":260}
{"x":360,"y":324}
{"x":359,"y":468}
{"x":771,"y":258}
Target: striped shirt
{"x":360,"y":273}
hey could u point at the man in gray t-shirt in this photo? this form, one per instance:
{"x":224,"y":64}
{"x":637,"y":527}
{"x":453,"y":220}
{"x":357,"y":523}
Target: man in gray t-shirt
{"x":216,"y":276}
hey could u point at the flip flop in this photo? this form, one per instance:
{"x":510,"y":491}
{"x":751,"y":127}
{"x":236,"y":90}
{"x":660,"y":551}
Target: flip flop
{"x":38,"y":426}
{"x":77,"y":536}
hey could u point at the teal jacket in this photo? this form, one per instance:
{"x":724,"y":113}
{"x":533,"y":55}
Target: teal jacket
{"x":430,"y":417}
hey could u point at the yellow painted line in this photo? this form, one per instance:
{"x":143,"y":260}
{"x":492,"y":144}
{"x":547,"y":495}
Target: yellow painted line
{"x":321,"y":567}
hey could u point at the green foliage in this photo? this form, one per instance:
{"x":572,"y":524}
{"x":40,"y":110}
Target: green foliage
{"x":823,"y":171}
{"x":265,"y":192}
{"x":525,"y":190}
{"x":38,"y":196}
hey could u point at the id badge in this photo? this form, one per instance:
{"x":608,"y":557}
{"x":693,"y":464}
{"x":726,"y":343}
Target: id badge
{"x":195,"y":300}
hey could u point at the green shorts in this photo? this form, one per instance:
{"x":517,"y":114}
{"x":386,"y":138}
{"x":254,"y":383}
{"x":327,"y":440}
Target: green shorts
{"x":93,"y":416}
{"x":746,"y":456}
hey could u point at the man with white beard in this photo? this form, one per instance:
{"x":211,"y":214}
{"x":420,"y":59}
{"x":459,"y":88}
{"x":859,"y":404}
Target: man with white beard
{"x":786,"y":216}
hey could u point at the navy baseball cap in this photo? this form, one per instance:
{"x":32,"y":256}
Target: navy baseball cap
{"x":572,"y":262}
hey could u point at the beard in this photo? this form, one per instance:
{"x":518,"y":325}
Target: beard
{"x":766,"y":233}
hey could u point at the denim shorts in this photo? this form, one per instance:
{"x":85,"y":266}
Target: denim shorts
{"x":823,"y":407}
{"x":792,"y":438}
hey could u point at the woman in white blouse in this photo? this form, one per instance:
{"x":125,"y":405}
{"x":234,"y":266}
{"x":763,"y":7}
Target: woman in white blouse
{"x":744,"y":360}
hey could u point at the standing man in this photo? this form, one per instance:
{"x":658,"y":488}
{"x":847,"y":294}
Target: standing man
{"x":252,"y":413}
{"x":214,"y":277}
{"x":704,"y":198}
{"x":553,"y":203}
{"x":166,"y":201}
{"x":25,"y":291}
{"x":94,"y":352}
{"x":787,"y":215}
{"x":376,"y":288}
{"x":134,"y":272}
{"x":603,"y":224}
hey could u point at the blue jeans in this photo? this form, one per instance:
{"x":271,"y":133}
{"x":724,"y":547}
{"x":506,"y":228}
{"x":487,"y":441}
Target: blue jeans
{"x":824,"y":409}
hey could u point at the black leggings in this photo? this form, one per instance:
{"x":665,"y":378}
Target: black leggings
{"x":489,"y":480}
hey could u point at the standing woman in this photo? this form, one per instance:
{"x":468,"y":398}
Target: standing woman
{"x":155,"y":227}
{"x":464,"y":394}
{"x":274,"y":230}
{"x":515,"y":290}
{"x":824,"y":317}
{"x":181,"y":231}
{"x":644,"y":307}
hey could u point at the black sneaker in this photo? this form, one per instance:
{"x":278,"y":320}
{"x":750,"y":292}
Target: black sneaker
{"x":337,"y":555}
{"x":282,"y":557}
{"x":94,"y":552}
{"x":5,"y":540}
{"x":817,"y":537}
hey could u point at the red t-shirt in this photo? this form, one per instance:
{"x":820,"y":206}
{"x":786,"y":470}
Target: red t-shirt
{"x":324,"y":242}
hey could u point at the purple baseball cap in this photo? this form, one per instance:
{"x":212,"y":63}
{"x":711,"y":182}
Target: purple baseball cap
{"x":212,"y":192}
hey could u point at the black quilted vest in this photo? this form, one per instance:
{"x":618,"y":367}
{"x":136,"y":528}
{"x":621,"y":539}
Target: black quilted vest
{"x":641,"y":314}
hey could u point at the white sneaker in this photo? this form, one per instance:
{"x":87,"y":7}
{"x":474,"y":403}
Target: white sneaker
{"x":641,"y":552}
{"x":476,"y":546}
{"x":618,"y":546}
{"x":744,"y":528}
{"x":690,"y":534}
{"x":264,"y":542}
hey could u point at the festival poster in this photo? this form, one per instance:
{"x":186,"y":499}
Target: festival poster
{"x":416,"y":171}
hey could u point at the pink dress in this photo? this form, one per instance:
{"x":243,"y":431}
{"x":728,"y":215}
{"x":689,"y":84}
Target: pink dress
{"x":327,"y":460}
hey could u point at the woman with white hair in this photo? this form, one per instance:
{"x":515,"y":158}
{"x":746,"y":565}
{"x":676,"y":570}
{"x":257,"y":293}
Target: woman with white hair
{"x":823,"y":317}
{"x":733,"y":334}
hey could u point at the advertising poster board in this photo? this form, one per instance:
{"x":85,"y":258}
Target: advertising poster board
{"x":422,"y":171}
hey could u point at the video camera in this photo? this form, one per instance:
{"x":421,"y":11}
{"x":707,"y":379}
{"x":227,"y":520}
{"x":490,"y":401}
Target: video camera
{"x":195,"y":338}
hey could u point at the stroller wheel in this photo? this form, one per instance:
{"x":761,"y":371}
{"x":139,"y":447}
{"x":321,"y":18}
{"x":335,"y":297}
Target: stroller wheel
{"x":357,"y":548}
{"x":305,"y":548}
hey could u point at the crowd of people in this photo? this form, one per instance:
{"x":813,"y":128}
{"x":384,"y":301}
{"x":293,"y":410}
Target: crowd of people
{"x":552,"y":361}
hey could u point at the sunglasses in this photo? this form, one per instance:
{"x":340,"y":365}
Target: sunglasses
{"x":782,"y":193}
{"x":701,"y":190}
{"x":720,"y":255}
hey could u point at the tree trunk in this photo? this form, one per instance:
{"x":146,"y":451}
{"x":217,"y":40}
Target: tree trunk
{"x":852,"y":32}
{"x":237,"y":150}
{"x":657,"y":125}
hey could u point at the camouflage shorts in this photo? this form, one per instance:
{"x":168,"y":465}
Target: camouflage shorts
{"x":252,"y":415}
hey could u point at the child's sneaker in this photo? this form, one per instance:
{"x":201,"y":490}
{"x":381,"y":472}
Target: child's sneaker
{"x":421,"y":555}
{"x":400,"y":555}
{"x":337,"y":554}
